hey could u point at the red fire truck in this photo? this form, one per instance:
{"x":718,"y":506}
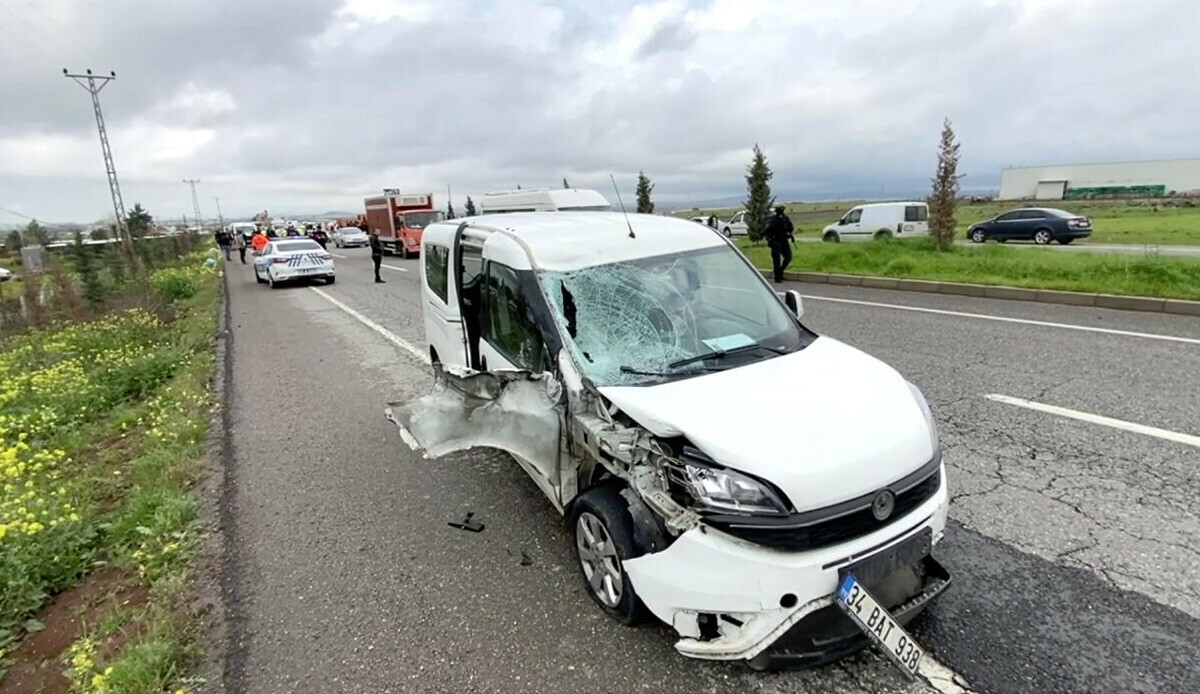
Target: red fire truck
{"x":400,"y":219}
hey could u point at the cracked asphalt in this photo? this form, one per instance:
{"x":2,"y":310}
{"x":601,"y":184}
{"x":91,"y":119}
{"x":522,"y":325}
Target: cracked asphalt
{"x":1073,"y":545}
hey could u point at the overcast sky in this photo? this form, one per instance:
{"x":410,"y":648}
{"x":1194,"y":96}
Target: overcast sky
{"x":310,"y":105}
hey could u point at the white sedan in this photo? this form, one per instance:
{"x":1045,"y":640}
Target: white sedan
{"x":349,"y":237}
{"x":5,"y":274}
{"x":285,"y":260}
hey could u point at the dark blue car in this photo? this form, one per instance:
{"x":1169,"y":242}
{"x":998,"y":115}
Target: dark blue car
{"x":1038,"y":224}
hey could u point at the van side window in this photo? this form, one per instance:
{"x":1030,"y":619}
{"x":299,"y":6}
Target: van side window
{"x":509,"y":325}
{"x":437,"y":264}
{"x":916,"y":213}
{"x":854,"y":216}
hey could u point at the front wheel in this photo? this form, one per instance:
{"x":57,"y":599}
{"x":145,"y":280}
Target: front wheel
{"x":978,"y":236}
{"x":728,"y":233}
{"x":1042,"y":237}
{"x":830,"y":237}
{"x":603,"y":533}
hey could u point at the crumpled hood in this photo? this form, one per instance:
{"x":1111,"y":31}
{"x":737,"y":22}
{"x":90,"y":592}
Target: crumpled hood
{"x":825,"y":424}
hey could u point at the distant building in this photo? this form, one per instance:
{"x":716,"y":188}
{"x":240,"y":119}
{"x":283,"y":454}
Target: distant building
{"x":1133,"y":179}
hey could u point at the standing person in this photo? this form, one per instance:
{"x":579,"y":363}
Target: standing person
{"x":780,"y":235}
{"x":224,"y":239}
{"x":376,"y":254}
{"x":259,"y":241}
{"x":239,"y":242}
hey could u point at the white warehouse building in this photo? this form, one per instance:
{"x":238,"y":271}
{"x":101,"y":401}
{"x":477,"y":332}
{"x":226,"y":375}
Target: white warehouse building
{"x":1122,"y":179}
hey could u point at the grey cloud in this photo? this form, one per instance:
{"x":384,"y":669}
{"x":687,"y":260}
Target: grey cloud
{"x":670,"y":36}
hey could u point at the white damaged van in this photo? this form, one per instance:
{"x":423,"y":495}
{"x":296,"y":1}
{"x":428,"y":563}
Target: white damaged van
{"x":688,"y":425}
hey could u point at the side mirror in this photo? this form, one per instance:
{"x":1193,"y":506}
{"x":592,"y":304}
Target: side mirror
{"x":791,"y":299}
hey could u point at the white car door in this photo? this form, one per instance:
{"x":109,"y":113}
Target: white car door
{"x":850,"y":226}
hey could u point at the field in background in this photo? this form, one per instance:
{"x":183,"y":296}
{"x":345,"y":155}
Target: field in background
{"x":1136,"y":275}
{"x":1137,"y":222}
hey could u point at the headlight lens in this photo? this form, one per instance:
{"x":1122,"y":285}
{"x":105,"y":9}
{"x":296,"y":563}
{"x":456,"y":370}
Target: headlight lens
{"x":934,"y":442}
{"x":721,"y":489}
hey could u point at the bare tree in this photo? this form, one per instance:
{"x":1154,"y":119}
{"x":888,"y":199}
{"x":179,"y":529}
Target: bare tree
{"x":944,"y":197}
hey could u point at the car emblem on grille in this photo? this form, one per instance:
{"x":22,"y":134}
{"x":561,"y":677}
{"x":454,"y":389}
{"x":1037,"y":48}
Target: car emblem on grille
{"x":884,"y":504}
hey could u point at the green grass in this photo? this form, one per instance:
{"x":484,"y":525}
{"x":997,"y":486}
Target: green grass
{"x":102,"y":432}
{"x":1137,"y":275}
{"x":1136,"y":222}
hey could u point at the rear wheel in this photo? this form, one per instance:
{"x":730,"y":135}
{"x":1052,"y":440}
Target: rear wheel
{"x":978,"y":235}
{"x":1042,"y":237}
{"x":883,"y":234}
{"x":603,"y":532}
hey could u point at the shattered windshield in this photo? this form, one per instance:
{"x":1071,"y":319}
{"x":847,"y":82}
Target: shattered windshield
{"x":656,"y":319}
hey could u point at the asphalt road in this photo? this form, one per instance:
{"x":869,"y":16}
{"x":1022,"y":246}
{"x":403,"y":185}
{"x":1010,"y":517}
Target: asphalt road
{"x":1085,"y":246}
{"x":1073,"y":544}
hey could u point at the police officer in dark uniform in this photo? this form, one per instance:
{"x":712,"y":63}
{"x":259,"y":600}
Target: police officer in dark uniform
{"x":376,"y":254}
{"x":780,"y":235}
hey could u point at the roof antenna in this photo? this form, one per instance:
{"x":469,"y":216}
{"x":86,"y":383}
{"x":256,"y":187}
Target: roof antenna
{"x":618,"y":191}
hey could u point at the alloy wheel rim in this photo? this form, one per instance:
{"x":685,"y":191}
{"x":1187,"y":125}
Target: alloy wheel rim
{"x":599,"y":559}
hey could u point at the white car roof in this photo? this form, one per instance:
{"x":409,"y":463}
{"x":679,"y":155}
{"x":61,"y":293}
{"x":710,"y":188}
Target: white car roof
{"x":889,"y":204}
{"x":563,"y":241}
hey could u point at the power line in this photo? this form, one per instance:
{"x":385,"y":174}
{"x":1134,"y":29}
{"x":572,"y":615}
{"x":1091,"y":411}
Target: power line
{"x":93,"y":84}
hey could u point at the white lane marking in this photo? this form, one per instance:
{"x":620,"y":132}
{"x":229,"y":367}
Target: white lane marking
{"x":384,"y":332}
{"x":393,"y":267}
{"x":1006,"y":319}
{"x":1121,"y":424}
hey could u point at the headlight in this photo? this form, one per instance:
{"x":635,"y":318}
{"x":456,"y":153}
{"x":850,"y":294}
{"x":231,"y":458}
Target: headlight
{"x":934,"y":443}
{"x":721,"y":489}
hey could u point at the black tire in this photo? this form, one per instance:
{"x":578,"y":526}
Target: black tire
{"x":978,"y":235}
{"x":1043,"y":236}
{"x":830,"y":237}
{"x":330,"y":280}
{"x":258,"y":279}
{"x":606,"y":505}
{"x":728,"y":233}
{"x":883,"y":234}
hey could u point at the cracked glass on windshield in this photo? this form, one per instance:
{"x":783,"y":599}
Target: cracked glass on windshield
{"x":635,"y":322}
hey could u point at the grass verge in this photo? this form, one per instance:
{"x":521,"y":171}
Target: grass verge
{"x":1136,"y":275}
{"x":102,"y":431}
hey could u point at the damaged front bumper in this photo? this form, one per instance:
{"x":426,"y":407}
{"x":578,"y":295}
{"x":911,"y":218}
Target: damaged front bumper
{"x":730,"y":599}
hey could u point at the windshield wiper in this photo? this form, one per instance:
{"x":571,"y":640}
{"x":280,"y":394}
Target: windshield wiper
{"x":720,"y":353}
{"x":639,"y":372}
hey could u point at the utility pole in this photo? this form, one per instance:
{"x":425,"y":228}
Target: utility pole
{"x":93,"y":84}
{"x":220,"y":217}
{"x":195,"y":201}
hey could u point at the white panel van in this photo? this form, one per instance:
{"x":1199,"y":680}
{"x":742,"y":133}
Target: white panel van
{"x":880,"y":220}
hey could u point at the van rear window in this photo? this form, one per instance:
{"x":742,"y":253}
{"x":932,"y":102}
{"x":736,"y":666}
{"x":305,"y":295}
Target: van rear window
{"x":916,"y":213}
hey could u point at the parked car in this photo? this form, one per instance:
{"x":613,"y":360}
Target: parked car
{"x":710,"y":221}
{"x":350,"y":237}
{"x":880,"y":220}
{"x":1038,"y":224}
{"x":736,"y":226}
{"x":291,"y":259}
{"x":5,"y":274}
{"x":692,"y":429}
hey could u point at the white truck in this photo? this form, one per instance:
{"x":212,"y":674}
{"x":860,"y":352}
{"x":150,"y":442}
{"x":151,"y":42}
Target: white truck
{"x":544,"y":200}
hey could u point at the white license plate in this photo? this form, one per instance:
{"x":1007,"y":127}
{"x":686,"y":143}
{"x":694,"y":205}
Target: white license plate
{"x":870,"y":616}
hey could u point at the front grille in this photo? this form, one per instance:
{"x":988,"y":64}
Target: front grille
{"x":795,"y":533}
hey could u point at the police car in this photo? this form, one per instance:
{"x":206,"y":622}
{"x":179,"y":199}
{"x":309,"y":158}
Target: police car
{"x":285,"y":260}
